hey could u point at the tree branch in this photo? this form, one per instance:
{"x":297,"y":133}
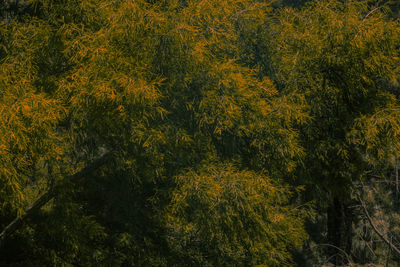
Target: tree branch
{"x":49,"y":195}
{"x":393,"y":247}
{"x":362,"y":22}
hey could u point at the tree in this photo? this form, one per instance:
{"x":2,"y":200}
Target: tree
{"x":162,"y":87}
{"x":343,"y":57}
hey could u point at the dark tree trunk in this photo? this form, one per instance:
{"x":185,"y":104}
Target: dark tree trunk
{"x":339,"y":225}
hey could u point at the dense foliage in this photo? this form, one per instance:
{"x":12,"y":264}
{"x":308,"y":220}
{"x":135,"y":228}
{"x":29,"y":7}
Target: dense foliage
{"x":196,"y":132}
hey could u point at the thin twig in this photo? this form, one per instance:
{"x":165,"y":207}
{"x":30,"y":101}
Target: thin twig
{"x":397,"y":250}
{"x":366,"y":16}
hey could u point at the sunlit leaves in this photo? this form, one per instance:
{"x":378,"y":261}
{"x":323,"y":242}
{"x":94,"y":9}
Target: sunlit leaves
{"x":342,"y":57}
{"x":166,"y":85}
{"x":379,"y":133}
{"x":27,"y":117}
{"x":224,"y":216}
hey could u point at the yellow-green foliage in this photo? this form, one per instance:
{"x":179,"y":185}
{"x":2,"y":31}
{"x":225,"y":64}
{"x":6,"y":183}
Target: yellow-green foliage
{"x":27,"y":116}
{"x":165,"y":85}
{"x":343,"y":58}
{"x":222,"y":216}
{"x":170,"y":86}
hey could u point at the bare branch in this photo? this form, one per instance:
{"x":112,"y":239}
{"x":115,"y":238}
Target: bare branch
{"x":385,"y":239}
{"x":339,"y":249}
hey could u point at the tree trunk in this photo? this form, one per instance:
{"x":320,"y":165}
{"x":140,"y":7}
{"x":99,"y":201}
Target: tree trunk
{"x":397,"y":180}
{"x":339,"y":225}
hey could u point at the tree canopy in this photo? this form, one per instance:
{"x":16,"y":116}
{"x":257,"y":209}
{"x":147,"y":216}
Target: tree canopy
{"x":193,"y":132}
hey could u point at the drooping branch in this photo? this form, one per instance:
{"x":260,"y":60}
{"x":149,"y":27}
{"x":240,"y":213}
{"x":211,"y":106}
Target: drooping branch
{"x":339,"y":249}
{"x":397,"y":178}
{"x":49,"y":195}
{"x":385,"y":239}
